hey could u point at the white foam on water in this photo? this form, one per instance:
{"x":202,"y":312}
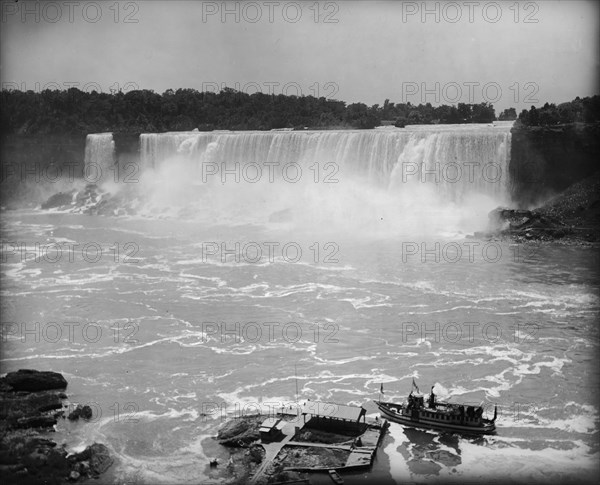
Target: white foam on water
{"x":520,"y":463}
{"x":398,"y":467}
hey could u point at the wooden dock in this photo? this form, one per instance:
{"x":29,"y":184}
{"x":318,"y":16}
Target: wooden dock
{"x":359,"y":457}
{"x":359,"y":451}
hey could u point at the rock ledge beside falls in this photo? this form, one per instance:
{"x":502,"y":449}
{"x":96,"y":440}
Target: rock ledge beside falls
{"x":572,"y":217}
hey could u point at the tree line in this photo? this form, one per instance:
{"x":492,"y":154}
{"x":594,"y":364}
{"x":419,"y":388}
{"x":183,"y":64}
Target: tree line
{"x":78,"y":112}
{"x":586,"y":110}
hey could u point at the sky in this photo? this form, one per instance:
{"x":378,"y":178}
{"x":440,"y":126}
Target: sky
{"x":512,"y":54}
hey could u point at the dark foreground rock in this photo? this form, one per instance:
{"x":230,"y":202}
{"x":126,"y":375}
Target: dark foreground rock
{"x":33,"y":380}
{"x":30,"y":406}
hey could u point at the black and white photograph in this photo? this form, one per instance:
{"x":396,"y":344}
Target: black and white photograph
{"x":299,"y":242}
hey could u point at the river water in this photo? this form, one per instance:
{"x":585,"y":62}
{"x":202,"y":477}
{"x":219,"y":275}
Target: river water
{"x":171,"y":320}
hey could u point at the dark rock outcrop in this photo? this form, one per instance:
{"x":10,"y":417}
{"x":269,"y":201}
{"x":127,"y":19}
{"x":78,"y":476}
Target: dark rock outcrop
{"x":60,"y":199}
{"x":84,"y":412}
{"x":240,"y":432}
{"x":573,"y":215}
{"x":22,"y":404}
{"x":34,"y":381}
{"x":36,"y":422}
{"x":93,"y":200}
{"x":28,"y":410}
{"x":93,"y":461}
{"x":526,"y":224}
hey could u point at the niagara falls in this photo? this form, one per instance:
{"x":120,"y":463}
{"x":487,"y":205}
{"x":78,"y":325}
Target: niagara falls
{"x":308,"y":242}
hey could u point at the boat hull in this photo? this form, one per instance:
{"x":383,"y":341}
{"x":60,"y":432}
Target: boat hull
{"x":387,"y":411}
{"x":335,"y":477}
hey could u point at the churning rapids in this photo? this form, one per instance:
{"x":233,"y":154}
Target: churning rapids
{"x":343,"y":253}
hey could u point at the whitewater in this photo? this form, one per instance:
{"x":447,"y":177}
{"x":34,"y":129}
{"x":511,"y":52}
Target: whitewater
{"x":230,"y":262}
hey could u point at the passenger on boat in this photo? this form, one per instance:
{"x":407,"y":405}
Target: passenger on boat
{"x":415,"y":401}
{"x":432,"y":399}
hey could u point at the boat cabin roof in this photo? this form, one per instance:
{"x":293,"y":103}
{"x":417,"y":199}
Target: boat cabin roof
{"x":333,"y":410}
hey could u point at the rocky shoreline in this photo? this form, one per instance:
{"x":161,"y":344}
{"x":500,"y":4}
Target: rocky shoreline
{"x":31,"y":403}
{"x":242,"y":438}
{"x":570,"y":218}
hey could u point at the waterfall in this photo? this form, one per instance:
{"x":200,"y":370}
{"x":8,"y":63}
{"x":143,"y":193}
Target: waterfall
{"x":99,"y":157}
{"x":455,"y":159}
{"x":433,"y":179}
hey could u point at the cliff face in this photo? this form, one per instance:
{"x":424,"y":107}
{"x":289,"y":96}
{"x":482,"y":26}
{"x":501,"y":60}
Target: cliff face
{"x":33,"y":167}
{"x":37,"y":153}
{"x":546,"y":160}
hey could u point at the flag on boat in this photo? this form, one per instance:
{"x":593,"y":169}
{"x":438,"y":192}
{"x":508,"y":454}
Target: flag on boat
{"x":381,"y":390}
{"x":415,"y":385}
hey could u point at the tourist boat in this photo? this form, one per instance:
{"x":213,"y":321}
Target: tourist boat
{"x":335,"y":477}
{"x":438,"y":415}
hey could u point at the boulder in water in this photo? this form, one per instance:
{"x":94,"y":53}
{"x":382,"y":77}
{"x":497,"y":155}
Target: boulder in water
{"x":96,"y":458}
{"x":84,"y":412}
